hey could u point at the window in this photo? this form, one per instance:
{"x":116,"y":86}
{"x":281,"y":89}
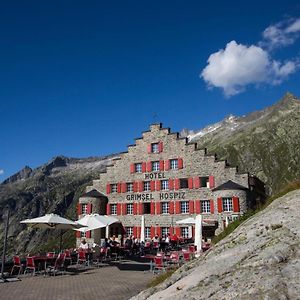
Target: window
{"x":165,"y":207}
{"x":227,"y":204}
{"x":155,"y":166}
{"x":138,"y":168}
{"x":129,"y":187}
{"x":83,"y":234}
{"x":185,"y":232}
{"x":184,"y":207}
{"x":129,"y":209}
{"x":205,"y":206}
{"x":147,"y":232}
{"x":147,"y":208}
{"x":165,"y":231}
{"x":174,"y":164}
{"x":183,"y":183}
{"x":154,"y":148}
{"x":204,"y":181}
{"x":129,"y":231}
{"x":164,"y":185}
{"x":113,"y":209}
{"x":146,"y":186}
{"x":84,"y":208}
{"x":114,"y":188}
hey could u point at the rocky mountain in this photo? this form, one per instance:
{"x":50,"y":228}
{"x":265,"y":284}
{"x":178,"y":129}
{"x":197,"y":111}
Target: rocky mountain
{"x":53,"y":187}
{"x":259,"y":260}
{"x":265,"y":143}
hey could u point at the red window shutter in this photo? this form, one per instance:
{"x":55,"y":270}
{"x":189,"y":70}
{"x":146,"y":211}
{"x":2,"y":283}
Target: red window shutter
{"x":132,"y":168}
{"x":171,"y":184}
{"x":108,"y":188}
{"x":124,"y":209}
{"x":158,"y":208}
{"x":108,"y":209}
{"x":198,"y":206}
{"x":176,"y":183}
{"x":119,"y":187}
{"x":190,"y":183}
{"x":149,"y":148}
{"x":152,"y":231}
{"x":211,"y":182}
{"x":134,"y":231}
{"x":141,"y":186}
{"x":79,"y":209}
{"x":167,"y":165}
{"x":196,"y":182}
{"x":152,"y":208}
{"x":158,"y":231}
{"x":212,"y":208}
{"x":160,"y":147}
{"x":88,"y":234}
{"x":89,"y":208}
{"x":191,"y":206}
{"x":220,"y":205}
{"x":171,"y":231}
{"x":141,"y":208}
{"x":171,"y":207}
{"x":161,"y":165}
{"x":143,"y":167}
{"x":119,"y":209}
{"x":135,"y":208}
{"x":177,"y":207}
{"x":78,"y":234}
{"x":138,"y":231}
{"x":178,"y":231}
{"x":135,"y":186}
{"x":149,"y":166}
{"x":124,"y":187}
{"x":152,"y":186}
{"x":180,"y":163}
{"x":236,"y":204}
{"x":158,"y":185}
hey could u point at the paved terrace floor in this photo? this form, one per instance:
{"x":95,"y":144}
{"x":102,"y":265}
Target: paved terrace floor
{"x":111,"y":282}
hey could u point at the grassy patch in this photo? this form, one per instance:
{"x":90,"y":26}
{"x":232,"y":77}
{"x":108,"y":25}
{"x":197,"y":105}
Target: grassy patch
{"x":161,"y":278}
{"x":295,"y":185}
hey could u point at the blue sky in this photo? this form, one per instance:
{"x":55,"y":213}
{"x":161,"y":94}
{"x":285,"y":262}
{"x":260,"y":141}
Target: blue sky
{"x":84,"y":78}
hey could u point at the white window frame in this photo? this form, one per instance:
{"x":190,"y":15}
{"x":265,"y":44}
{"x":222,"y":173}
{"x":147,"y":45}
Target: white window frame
{"x":227,"y":204}
{"x":164,"y":185}
{"x":165,"y":231}
{"x":147,"y":232}
{"x":113,"y":209}
{"x":147,"y":186}
{"x":184,"y":232}
{"x":138,"y":167}
{"x":129,"y":187}
{"x":114,"y":188}
{"x":174,"y":164}
{"x":205,"y":206}
{"x":165,"y":207}
{"x":129,"y":209}
{"x":84,"y":208}
{"x":154,"y":148}
{"x":129,"y":230}
{"x":184,"y":207}
{"x":155,"y":166}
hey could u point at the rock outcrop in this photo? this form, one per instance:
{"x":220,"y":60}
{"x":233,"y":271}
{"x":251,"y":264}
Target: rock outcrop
{"x":259,"y":260}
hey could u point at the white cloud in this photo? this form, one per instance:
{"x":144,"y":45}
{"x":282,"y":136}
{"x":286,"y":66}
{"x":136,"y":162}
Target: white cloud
{"x":1,"y":171}
{"x":237,"y":66}
{"x":281,"y":34}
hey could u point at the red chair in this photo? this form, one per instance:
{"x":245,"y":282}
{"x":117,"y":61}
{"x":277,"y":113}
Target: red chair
{"x":159,"y":264}
{"x":50,"y":254}
{"x":186,"y":256}
{"x":174,"y":259}
{"x":192,"y":250}
{"x":30,"y":265}
{"x":59,"y":264}
{"x":68,"y":257}
{"x":81,"y":258}
{"x":17,"y":265}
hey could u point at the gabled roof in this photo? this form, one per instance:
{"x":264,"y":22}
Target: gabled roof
{"x":93,"y":193}
{"x":229,"y":185}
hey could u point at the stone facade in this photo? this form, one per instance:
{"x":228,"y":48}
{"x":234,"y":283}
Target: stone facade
{"x":166,"y":179}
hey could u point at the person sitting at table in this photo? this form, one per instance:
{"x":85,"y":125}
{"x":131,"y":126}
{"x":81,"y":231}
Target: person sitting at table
{"x":113,"y":242}
{"x":105,"y":243}
{"x":84,"y":245}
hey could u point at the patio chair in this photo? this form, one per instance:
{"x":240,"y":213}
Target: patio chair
{"x":68,"y":257}
{"x":17,"y":265}
{"x":158,"y":264}
{"x":59,"y":265}
{"x":30,"y":265}
{"x":192,"y":250}
{"x":174,"y":259}
{"x":50,"y":254}
{"x":186,"y":256}
{"x":81,"y":258}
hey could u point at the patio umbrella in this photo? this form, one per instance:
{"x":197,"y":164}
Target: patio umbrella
{"x":52,"y":221}
{"x":143,"y":229}
{"x":95,"y":221}
{"x":198,"y":234}
{"x":191,"y":221}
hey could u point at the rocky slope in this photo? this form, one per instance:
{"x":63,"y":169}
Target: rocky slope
{"x":259,"y":260}
{"x":265,"y":143}
{"x":53,"y":187}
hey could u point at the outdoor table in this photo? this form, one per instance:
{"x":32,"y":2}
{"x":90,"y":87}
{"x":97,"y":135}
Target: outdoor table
{"x":42,"y":260}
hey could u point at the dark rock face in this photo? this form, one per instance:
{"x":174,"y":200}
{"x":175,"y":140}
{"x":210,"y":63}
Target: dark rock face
{"x":23,"y":174}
